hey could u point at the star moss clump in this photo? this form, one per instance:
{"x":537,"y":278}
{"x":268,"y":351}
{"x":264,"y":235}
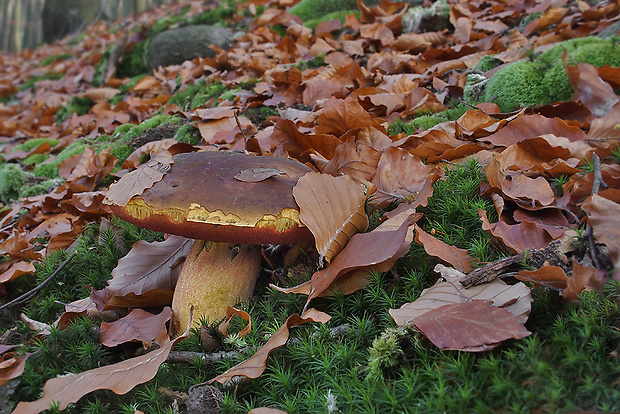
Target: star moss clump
{"x":543,"y":80}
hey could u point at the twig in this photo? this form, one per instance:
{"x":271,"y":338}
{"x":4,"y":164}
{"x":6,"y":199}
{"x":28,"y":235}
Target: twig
{"x":176,"y":357}
{"x":32,"y":292}
{"x":245,"y":139}
{"x":588,"y":235}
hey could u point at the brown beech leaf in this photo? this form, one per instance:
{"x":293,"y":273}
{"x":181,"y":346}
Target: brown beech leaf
{"x":470,"y":326}
{"x":16,"y":270}
{"x":148,"y":267}
{"x":135,"y":182}
{"x":101,"y":94}
{"x":518,"y":237}
{"x":230,"y":314}
{"x":603,"y":217}
{"x":150,"y":147}
{"x":550,"y":276}
{"x":333,"y":210}
{"x":354,"y":159}
{"x":255,"y":175}
{"x":583,"y":277}
{"x":376,"y":250}
{"x":532,"y":126}
{"x":458,"y":258}
{"x":401,"y":177}
{"x":11,"y":366}
{"x":608,"y":126}
{"x":593,"y":92}
{"x":120,"y":378}
{"x":516,"y":299}
{"x":139,"y":325}
{"x":339,"y":116}
{"x":530,"y":190}
{"x":254,"y":366}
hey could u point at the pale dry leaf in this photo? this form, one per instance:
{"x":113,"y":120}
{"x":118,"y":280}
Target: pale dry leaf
{"x":17,"y":269}
{"x":255,"y":175}
{"x":120,"y":378}
{"x":333,"y":210}
{"x":515,"y":298}
{"x":133,"y":161}
{"x":135,"y":182}
{"x":11,"y":366}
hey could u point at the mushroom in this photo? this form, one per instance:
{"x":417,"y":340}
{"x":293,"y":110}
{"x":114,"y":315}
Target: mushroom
{"x":203,"y":198}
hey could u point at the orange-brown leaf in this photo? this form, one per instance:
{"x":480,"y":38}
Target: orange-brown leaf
{"x":230,"y":314}
{"x":583,"y":277}
{"x":16,"y":270}
{"x":11,"y":366}
{"x":333,"y":210}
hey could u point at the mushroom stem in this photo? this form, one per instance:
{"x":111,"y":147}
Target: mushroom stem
{"x":214,"y":276}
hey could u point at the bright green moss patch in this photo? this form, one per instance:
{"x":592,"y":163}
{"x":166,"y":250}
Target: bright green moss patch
{"x":12,"y":177}
{"x":314,"y":9}
{"x":35,"y":159}
{"x":516,"y":85}
{"x":33,"y":81}
{"x":426,"y":121}
{"x":339,"y":14}
{"x":488,"y":62}
{"x":33,"y":143}
{"x":78,"y":104}
{"x":201,"y":93}
{"x":42,"y":188}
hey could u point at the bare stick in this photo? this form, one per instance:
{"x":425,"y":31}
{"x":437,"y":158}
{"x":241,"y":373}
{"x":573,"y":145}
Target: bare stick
{"x":32,"y":292}
{"x":597,"y":182}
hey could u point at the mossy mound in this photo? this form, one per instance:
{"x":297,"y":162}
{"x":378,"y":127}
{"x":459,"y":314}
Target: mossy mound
{"x":516,"y":85}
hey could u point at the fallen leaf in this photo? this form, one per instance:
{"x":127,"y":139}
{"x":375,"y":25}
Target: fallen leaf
{"x":550,"y":276}
{"x":602,"y":216}
{"x":255,"y":175}
{"x":230,"y":314}
{"x":458,"y":258}
{"x":148,"y":267}
{"x":333,"y":210}
{"x":139,"y":325}
{"x":133,"y":160}
{"x":254,"y":366}
{"x":120,"y":378}
{"x":11,"y":366}
{"x":583,"y":277}
{"x":470,"y":326}
{"x":135,"y":182}
{"x":16,"y":270}
{"x":516,"y":298}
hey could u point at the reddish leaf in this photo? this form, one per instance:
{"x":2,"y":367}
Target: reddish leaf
{"x":518,"y":237}
{"x":254,"y":366}
{"x":593,"y":92}
{"x":230,"y":314}
{"x":583,"y":277}
{"x":11,"y":366}
{"x":603,"y":217}
{"x":470,"y":326}
{"x":139,"y":325}
{"x":550,"y":276}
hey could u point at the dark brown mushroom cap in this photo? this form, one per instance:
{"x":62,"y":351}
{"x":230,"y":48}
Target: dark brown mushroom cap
{"x":200,"y":198}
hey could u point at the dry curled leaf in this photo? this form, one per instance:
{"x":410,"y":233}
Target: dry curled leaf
{"x":120,"y":378}
{"x":254,"y":366}
{"x":459,"y":258}
{"x":135,"y":182}
{"x":230,"y":314}
{"x":333,"y":209}
{"x":11,"y":366}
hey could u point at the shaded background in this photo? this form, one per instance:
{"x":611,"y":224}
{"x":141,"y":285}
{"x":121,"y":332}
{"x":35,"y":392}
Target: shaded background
{"x":25,"y":24}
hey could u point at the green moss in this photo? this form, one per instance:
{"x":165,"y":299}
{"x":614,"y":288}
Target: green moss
{"x":126,"y":132}
{"x":78,"y":104}
{"x":34,"y":143}
{"x":188,"y":134}
{"x":12,"y":177}
{"x":133,"y":62}
{"x":313,"y":9}
{"x":54,"y":58}
{"x":516,"y":85}
{"x":385,"y":352}
{"x":198,"y":94}
{"x":595,"y":51}
{"x":35,"y":159}
{"x":48,"y":170}
{"x":339,"y":14}
{"x":33,"y":81}
{"x":222,"y":13}
{"x":42,"y":188}
{"x":488,"y":62}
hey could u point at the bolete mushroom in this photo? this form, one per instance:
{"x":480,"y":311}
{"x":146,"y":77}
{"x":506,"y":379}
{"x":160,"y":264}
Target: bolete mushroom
{"x":203,"y":197}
